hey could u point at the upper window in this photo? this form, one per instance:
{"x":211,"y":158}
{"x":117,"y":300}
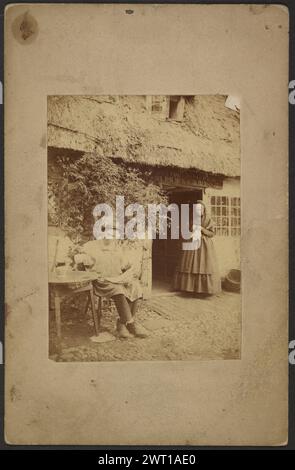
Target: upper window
{"x":166,"y":107}
{"x":157,"y":105}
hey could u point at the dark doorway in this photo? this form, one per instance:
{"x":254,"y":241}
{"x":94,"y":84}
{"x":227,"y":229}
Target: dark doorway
{"x":165,"y":253}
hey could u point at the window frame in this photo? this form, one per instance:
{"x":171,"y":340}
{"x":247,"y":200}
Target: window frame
{"x":164,"y":103}
{"x":230,"y":208}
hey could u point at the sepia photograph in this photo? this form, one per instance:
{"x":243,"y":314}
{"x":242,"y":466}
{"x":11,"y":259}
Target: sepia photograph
{"x":144,"y":224}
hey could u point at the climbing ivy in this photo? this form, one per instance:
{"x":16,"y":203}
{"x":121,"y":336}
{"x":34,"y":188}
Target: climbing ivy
{"x":93,"y":179}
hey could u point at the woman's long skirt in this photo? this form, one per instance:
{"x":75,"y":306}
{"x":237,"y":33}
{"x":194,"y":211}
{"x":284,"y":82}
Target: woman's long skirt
{"x":197,"y":271}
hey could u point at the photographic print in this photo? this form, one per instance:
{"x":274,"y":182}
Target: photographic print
{"x":126,"y":177}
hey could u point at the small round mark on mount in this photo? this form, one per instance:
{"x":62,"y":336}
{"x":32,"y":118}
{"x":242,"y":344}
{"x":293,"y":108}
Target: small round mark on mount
{"x":25,"y":28}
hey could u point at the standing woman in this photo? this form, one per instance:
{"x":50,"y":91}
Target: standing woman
{"x":197,"y":270}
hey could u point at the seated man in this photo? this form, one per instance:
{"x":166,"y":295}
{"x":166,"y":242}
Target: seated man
{"x":118,"y":279}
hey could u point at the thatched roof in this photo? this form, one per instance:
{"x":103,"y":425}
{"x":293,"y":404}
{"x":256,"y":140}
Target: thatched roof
{"x":208,"y":138}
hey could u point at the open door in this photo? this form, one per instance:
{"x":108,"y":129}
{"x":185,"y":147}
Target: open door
{"x":166,"y":253}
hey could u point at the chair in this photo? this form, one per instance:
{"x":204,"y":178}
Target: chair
{"x":102,"y":304}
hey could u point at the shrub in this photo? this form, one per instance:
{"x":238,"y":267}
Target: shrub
{"x":93,"y":179}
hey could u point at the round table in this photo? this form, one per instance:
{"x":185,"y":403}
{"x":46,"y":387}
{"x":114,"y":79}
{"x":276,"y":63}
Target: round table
{"x":60,"y":284}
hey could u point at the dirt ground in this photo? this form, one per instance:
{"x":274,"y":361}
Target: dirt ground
{"x":180,"y":327}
